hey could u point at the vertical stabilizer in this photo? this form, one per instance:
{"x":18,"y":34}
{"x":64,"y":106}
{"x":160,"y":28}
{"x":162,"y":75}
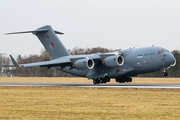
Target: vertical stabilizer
{"x":51,"y":42}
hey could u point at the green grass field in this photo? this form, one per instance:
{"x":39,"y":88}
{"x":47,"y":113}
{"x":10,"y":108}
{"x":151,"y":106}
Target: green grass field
{"x":29,"y":103}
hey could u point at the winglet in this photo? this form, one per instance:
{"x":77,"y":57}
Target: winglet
{"x":14,"y":62}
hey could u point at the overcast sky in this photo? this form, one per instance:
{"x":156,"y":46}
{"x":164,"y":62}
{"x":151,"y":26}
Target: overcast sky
{"x":115,"y":24}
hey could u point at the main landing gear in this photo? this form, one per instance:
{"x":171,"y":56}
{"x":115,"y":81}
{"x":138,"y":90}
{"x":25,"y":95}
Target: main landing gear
{"x":101,"y":80}
{"x":107,"y":79}
{"x":123,"y":79}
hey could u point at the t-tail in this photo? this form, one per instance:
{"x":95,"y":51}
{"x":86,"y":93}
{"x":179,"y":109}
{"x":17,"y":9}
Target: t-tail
{"x":50,"y":41}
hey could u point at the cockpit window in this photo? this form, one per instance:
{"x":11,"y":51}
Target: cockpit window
{"x":166,"y":51}
{"x":161,"y":51}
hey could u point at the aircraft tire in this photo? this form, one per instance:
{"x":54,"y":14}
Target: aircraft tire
{"x":94,"y":81}
{"x":101,"y":81}
{"x":127,"y":80}
{"x":164,"y":74}
{"x":123,"y":80}
{"x":107,"y":79}
{"x":130,"y":80}
{"x":117,"y":79}
{"x":97,"y":81}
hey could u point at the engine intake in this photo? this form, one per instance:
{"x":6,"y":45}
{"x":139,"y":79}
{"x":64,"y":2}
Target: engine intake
{"x":113,"y":61}
{"x":83,"y":64}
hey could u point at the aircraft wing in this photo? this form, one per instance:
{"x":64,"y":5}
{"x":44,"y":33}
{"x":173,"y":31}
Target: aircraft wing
{"x":49,"y":64}
{"x":63,"y":62}
{"x":53,"y":63}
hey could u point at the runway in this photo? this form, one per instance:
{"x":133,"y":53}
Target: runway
{"x":88,"y":85}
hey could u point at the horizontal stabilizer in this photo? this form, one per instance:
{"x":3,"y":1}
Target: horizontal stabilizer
{"x":40,"y":30}
{"x":58,"y":32}
{"x":35,"y":31}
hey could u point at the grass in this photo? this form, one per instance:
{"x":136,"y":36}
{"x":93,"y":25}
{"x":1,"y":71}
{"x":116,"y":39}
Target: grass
{"x":88,"y":103}
{"x":85,"y":80}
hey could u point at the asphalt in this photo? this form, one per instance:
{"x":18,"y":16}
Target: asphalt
{"x":88,"y":85}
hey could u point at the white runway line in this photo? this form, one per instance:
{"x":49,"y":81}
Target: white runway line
{"x":87,"y":85}
{"x":144,"y":87}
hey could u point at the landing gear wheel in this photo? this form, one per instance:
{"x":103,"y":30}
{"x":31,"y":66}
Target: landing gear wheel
{"x":164,"y":74}
{"x":94,"y":81}
{"x":106,"y":79}
{"x":123,"y":79}
{"x":117,"y":79}
{"x":101,"y":80}
{"x":130,"y":80}
{"x":97,"y":81}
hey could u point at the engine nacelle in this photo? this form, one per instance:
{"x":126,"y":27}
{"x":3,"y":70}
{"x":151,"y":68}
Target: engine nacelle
{"x":83,"y":64}
{"x":113,"y":61}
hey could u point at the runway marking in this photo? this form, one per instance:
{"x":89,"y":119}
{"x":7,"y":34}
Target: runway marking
{"x":23,"y":85}
{"x":88,"y":85}
{"x":144,"y":87}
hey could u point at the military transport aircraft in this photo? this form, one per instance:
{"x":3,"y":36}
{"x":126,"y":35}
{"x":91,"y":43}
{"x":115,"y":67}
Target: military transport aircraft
{"x":101,"y":67}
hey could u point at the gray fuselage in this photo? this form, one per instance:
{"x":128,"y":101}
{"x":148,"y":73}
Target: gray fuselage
{"x":136,"y":61}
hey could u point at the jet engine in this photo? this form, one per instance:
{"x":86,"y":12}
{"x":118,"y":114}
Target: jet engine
{"x":83,"y":64}
{"x":113,"y":61}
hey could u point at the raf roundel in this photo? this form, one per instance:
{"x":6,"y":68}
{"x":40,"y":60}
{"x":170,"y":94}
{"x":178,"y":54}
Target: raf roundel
{"x":52,"y":43}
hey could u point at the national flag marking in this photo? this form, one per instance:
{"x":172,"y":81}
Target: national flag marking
{"x":52,"y":43}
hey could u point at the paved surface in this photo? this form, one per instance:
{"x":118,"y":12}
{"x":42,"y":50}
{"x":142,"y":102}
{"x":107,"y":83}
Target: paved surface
{"x":153,"y":86}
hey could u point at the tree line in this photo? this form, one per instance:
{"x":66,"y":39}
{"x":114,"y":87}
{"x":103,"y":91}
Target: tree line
{"x":44,"y":56}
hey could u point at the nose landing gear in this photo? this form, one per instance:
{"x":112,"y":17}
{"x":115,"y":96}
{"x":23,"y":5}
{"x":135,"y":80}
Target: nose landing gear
{"x":164,"y":73}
